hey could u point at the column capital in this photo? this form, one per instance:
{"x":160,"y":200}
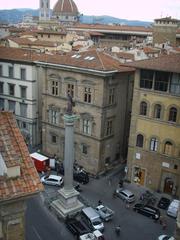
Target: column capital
{"x":70,"y":118}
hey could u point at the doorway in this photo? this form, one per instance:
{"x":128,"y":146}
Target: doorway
{"x":168,"y":185}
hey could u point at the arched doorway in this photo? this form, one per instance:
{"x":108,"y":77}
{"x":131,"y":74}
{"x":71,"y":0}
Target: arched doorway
{"x":168,"y":185}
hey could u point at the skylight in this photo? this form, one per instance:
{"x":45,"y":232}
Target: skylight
{"x":76,"y":56}
{"x":89,"y":58}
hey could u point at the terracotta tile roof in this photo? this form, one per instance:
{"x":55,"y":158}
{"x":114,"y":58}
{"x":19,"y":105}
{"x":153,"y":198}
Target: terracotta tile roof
{"x":150,"y":50}
{"x":63,"y":32}
{"x":113,"y":27}
{"x":18,"y":40}
{"x":168,"y":63}
{"x":15,"y":152}
{"x":18,"y":54}
{"x":26,"y":41}
{"x":124,"y":55}
{"x":91,"y":59}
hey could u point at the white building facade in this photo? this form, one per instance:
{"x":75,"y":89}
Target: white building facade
{"x":19,"y":94}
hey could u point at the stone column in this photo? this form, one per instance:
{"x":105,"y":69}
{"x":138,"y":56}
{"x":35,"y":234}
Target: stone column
{"x":69,"y":152}
{"x":67,"y":203}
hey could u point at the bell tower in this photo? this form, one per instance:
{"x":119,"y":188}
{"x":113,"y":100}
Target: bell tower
{"x":44,"y":10}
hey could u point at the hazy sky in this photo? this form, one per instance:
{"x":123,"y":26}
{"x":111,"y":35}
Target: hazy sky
{"x":128,"y":9}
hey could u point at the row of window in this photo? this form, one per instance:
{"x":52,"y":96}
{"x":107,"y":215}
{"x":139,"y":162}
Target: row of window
{"x":11,"y":90}
{"x":154,"y":144}
{"x":11,"y":71}
{"x":160,"y":81}
{"x":87,"y":124}
{"x":55,"y":91}
{"x":12,"y":107}
{"x":158,"y":111}
{"x":54,"y":140}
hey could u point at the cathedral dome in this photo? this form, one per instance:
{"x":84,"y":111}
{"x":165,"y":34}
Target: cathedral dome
{"x":65,"y":7}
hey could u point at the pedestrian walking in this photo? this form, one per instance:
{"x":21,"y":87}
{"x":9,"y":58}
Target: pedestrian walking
{"x":164,"y":225}
{"x":99,"y":202}
{"x":127,"y":205}
{"x":110,"y":181}
{"x":118,"y":230}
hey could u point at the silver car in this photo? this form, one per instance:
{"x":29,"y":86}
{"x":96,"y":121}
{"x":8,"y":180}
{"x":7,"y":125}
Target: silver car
{"x":52,"y":180}
{"x":125,"y":194}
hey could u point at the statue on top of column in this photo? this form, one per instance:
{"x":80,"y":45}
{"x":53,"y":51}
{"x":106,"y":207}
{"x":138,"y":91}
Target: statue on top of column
{"x":70,"y":104}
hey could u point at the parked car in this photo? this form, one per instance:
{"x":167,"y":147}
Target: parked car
{"x":173,"y":208}
{"x":92,"y":218}
{"x":96,"y":235}
{"x":81,"y":177}
{"x":79,"y":174}
{"x":164,"y":203}
{"x":147,"y":210}
{"x":104,"y":212}
{"x":77,"y":227}
{"x":165,"y":237}
{"x":52,"y":180}
{"x":125,"y":194}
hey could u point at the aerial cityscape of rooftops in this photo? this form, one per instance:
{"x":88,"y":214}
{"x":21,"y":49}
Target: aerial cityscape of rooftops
{"x":89,"y":120}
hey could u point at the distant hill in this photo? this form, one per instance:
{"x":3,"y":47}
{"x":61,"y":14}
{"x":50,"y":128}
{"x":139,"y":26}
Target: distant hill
{"x":112,"y":20}
{"x":16,"y":15}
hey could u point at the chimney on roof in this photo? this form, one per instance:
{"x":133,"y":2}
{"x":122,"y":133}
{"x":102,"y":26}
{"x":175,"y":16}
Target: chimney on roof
{"x":3,"y":168}
{"x":11,"y":171}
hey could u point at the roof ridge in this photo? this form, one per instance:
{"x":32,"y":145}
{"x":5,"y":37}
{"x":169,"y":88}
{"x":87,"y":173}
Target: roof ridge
{"x":100,"y":60}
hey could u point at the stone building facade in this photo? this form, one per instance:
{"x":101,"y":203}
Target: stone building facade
{"x":154,"y":144}
{"x":101,"y":90}
{"x":20,"y":91}
{"x":165,"y":30}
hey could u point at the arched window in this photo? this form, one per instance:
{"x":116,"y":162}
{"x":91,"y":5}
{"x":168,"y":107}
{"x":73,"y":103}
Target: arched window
{"x":153,"y":144}
{"x":168,"y":146}
{"x":172,"y":114}
{"x":143,"y":108}
{"x":157,"y":111}
{"x":139,"y":140}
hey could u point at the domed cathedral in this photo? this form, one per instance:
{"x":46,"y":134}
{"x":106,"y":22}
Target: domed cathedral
{"x":66,"y":11}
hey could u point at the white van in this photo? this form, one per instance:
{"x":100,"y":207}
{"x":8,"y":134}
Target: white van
{"x":93,"y":218}
{"x":173,"y":208}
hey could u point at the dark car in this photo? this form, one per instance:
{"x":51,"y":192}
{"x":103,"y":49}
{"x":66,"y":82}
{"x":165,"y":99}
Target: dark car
{"x":147,"y":210}
{"x":164,"y":203}
{"x":81,"y":177}
{"x":77,"y":227}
